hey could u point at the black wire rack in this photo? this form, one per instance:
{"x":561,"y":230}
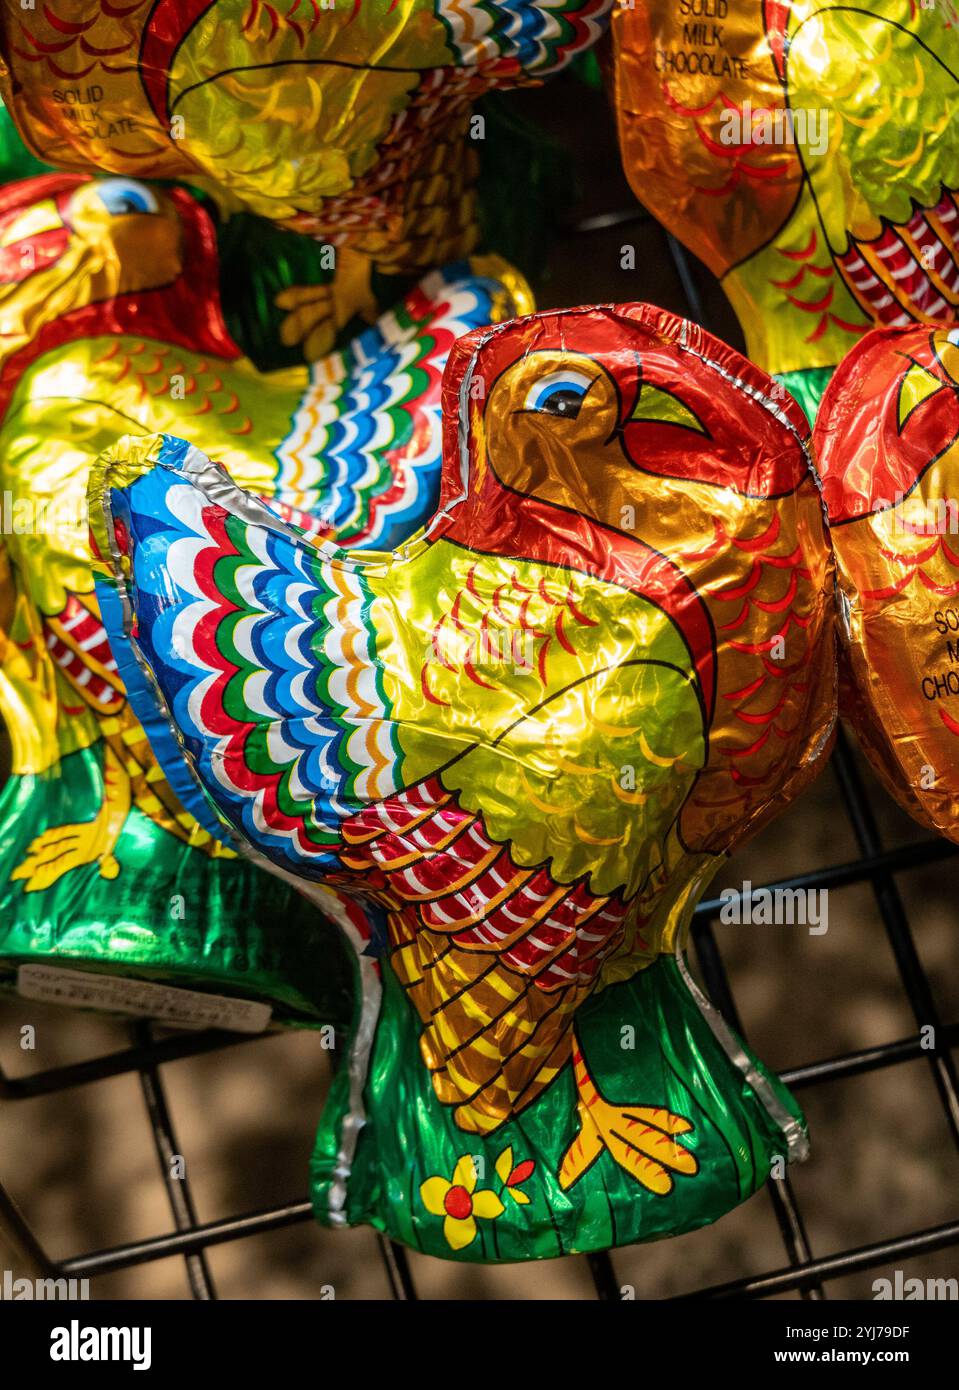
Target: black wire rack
{"x":803,"y":1273}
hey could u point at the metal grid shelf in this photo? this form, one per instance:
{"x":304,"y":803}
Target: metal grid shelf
{"x":803,"y":1273}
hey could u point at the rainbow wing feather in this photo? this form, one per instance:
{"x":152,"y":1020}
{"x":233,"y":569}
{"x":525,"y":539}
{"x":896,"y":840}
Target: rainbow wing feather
{"x":363,"y":448}
{"x":260,"y":648}
{"x":541,"y":37}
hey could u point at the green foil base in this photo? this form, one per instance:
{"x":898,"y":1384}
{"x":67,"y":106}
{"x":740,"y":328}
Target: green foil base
{"x":172,"y":915}
{"x":648,"y":1041}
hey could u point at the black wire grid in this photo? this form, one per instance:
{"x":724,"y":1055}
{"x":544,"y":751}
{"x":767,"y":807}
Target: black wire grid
{"x":803,"y":1272}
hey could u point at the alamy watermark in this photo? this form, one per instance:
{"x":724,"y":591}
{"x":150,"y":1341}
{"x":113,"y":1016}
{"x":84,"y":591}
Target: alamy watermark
{"x":14,"y":1290}
{"x":81,"y":1343}
{"x":28,"y":516}
{"x":910,"y":1290}
{"x":806,"y":907}
{"x":759,"y":125}
{"x":939,"y":516}
{"x":454,"y":647}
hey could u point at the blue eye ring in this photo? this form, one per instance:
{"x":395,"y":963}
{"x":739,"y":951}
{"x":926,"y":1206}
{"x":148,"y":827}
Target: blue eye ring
{"x":559,"y":393}
{"x":124,"y":196}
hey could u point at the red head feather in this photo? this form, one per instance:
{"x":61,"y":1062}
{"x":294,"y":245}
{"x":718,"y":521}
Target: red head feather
{"x":185,"y":312}
{"x":754,"y":442}
{"x":874,"y":436}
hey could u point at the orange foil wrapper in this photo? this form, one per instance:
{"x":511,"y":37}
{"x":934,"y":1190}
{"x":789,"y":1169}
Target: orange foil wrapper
{"x":807,"y":154}
{"x":888,"y":443}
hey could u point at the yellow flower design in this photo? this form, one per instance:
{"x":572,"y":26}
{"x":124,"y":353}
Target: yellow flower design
{"x":457,"y":1200}
{"x":511,"y":1177}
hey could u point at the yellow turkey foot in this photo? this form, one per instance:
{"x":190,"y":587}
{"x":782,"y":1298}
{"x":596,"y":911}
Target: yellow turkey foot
{"x":311,"y":319}
{"x":318,"y":312}
{"x":640,"y":1138}
{"x":66,"y":847}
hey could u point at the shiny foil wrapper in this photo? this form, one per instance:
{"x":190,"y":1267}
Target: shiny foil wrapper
{"x":349,"y":122}
{"x":112,"y":322}
{"x":808,"y":155}
{"x":523,"y":742}
{"x":888,"y":443}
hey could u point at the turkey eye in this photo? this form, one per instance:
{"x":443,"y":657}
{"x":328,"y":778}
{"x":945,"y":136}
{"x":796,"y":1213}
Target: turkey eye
{"x":121,"y":196}
{"x":562,"y":402}
{"x":560,"y":393}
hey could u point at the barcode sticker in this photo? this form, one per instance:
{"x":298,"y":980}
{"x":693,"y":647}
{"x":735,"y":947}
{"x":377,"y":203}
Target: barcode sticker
{"x":186,"y":1008}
